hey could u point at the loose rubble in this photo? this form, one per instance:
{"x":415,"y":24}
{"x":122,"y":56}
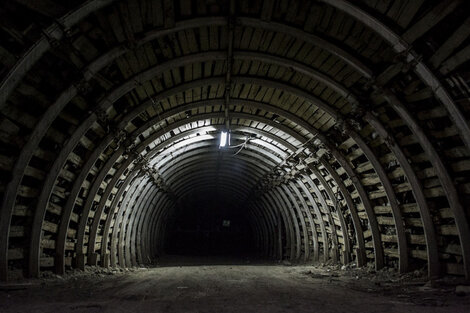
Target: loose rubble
{"x":89,"y":271}
{"x":414,"y":286}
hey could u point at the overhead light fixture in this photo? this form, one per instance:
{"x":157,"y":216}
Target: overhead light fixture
{"x":223,"y":139}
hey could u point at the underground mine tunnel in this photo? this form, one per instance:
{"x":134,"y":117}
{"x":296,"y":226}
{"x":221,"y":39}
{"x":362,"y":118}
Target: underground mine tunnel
{"x":274,"y":145}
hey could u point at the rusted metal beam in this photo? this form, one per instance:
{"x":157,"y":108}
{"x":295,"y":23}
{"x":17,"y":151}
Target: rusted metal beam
{"x":127,"y":223}
{"x":311,"y":39}
{"x":133,"y":241}
{"x":141,"y":247}
{"x":268,"y":233}
{"x":299,"y":216}
{"x":56,"y":31}
{"x":377,"y":242}
{"x":403,"y":264}
{"x":417,"y":189}
{"x":420,"y":68}
{"x":269,"y":199}
{"x":83,"y":219}
{"x":155,"y":228}
{"x":11,"y":190}
{"x":277,"y":227}
{"x":294,"y":186}
{"x":92,"y":256}
{"x":359,"y":233}
{"x":104,"y":256}
{"x":162,"y":203}
{"x":131,"y":194}
{"x":45,"y":195}
{"x":334,"y":250}
{"x":444,"y":177}
{"x":344,"y":229}
{"x":284,"y":201}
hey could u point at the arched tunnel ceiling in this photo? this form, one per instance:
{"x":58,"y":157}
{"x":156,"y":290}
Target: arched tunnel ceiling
{"x":348,"y":120}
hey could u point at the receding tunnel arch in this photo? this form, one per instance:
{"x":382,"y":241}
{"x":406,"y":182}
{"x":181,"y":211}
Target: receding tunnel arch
{"x":338,"y":157}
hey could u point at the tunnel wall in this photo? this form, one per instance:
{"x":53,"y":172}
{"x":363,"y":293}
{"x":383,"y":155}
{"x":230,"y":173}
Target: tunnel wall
{"x":358,"y":113}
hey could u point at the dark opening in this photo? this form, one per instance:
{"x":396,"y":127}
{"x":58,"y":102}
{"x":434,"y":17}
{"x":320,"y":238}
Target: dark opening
{"x":209,"y":228}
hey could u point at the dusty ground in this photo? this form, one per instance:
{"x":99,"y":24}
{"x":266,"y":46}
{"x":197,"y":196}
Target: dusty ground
{"x":231,"y":288}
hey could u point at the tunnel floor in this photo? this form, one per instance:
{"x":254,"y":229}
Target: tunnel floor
{"x":251,"y":287}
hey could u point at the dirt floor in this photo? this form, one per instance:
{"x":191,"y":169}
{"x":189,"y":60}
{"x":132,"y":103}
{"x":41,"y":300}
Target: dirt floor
{"x":233,"y":287}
